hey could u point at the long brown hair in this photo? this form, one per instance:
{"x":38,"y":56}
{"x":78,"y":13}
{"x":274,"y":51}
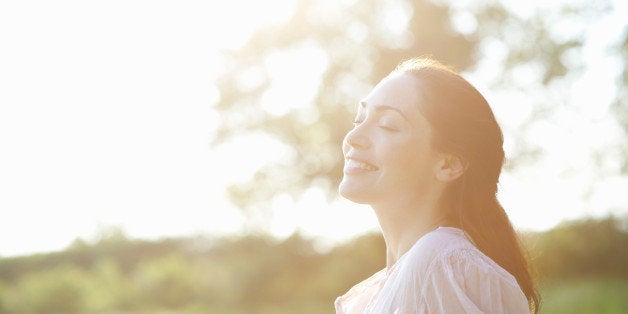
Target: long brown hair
{"x":463,"y":125}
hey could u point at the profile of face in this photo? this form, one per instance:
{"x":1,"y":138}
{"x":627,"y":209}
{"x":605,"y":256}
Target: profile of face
{"x":388,"y":155}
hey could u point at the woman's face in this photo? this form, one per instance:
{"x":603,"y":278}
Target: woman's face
{"x":388,"y":156}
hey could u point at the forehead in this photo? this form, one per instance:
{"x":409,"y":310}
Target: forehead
{"x":398,"y":90}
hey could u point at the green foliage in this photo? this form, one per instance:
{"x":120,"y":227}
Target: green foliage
{"x":58,"y":290}
{"x":109,"y":288}
{"x":584,"y":248}
{"x":166,"y":281}
{"x":582,"y":263}
{"x":586,"y":295}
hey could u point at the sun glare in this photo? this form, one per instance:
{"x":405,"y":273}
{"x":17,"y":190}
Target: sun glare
{"x":109,"y":117}
{"x":294,"y":81}
{"x":235,"y":21}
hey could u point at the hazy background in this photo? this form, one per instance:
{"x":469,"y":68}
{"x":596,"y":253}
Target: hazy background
{"x":210,"y":117}
{"x":183,"y":156}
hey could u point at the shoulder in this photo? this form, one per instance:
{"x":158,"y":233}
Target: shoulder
{"x":445,"y":273}
{"x":449,"y":251}
{"x":460,"y":271}
{"x":456,"y":270}
{"x":435,"y":246}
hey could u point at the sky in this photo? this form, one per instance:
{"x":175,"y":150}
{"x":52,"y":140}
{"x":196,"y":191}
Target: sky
{"x":106,"y":120}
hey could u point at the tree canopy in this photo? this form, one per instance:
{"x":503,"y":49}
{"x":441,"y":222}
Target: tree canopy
{"x":345,"y":47}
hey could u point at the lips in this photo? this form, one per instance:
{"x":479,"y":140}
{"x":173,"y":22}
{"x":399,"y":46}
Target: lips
{"x":358,"y":165}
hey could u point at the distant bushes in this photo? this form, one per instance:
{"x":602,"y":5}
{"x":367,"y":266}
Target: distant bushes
{"x":255,"y":274}
{"x":583,"y":248}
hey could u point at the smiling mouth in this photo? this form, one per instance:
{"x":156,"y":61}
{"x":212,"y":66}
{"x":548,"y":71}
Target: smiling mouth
{"x":352,"y":163}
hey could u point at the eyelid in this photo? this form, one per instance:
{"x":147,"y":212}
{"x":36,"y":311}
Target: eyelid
{"x":388,"y":127}
{"x":389,"y":122}
{"x":385,"y":123}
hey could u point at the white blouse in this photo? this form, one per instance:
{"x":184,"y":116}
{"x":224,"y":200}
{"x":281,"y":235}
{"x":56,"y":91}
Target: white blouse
{"x":443,"y":272}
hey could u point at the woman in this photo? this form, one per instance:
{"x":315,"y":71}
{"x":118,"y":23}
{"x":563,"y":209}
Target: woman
{"x":426,"y":153}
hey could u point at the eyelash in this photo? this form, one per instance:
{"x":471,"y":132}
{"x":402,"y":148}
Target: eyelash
{"x":387,"y":128}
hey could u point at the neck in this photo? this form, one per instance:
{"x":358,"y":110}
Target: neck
{"x":403,"y":224}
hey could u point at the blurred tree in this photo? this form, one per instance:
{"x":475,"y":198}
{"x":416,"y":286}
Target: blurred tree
{"x":536,"y":54}
{"x":620,"y":107}
{"x":166,"y":282}
{"x":584,"y":248}
{"x":3,"y":297}
{"x":353,"y":44}
{"x":110,"y":289}
{"x":58,"y":290}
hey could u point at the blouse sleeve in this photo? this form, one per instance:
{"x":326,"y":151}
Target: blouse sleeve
{"x":468,"y":282}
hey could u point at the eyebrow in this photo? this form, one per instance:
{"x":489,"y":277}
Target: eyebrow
{"x":379,"y":108}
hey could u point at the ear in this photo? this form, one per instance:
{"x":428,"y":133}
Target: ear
{"x":449,"y":168}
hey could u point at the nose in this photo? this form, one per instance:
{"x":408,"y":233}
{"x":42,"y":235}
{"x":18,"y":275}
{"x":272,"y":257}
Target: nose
{"x":357,"y":139}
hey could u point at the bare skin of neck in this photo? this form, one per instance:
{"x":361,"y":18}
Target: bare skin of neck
{"x":403,"y":222}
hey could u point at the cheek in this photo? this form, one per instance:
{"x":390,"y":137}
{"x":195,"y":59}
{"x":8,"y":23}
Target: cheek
{"x":404,"y":163}
{"x":410,"y":158}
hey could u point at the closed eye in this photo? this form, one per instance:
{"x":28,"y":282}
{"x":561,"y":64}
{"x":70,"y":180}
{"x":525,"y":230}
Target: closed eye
{"x":389,"y":128}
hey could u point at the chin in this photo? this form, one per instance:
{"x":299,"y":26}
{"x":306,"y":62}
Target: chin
{"x":354,"y":193}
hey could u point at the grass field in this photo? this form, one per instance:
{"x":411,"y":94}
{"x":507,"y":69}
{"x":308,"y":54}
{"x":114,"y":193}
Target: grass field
{"x":603,"y":296}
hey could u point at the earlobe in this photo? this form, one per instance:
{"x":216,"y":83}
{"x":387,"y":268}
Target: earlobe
{"x":449,"y":168}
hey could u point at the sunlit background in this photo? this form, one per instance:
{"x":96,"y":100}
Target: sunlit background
{"x":108,"y":117}
{"x":183,"y":156}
